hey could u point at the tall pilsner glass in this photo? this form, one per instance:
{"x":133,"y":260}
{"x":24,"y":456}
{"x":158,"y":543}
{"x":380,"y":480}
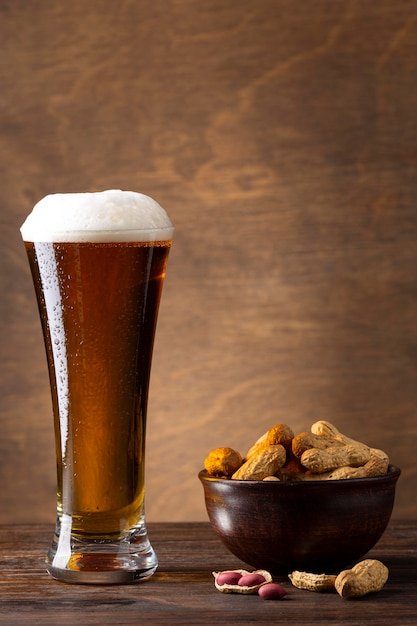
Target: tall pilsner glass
{"x":98,"y":264}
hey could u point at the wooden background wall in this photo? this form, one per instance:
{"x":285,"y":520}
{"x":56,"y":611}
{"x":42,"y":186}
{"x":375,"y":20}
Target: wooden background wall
{"x":281,"y":137}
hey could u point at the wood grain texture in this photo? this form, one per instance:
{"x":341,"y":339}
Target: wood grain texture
{"x":182,"y":591}
{"x":283,"y":142}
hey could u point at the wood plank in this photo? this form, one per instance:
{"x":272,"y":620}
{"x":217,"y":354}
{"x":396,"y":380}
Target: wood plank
{"x":182,"y":590}
{"x":283,"y":142}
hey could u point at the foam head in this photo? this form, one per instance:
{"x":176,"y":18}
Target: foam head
{"x":111,"y":215}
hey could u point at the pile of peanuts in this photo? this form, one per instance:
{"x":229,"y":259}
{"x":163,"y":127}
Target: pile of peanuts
{"x":368,"y":576}
{"x":323,"y":453}
{"x":241,"y":581}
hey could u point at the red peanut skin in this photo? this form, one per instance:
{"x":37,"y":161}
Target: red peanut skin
{"x":271,"y":591}
{"x":251,"y":580}
{"x":228,"y":578}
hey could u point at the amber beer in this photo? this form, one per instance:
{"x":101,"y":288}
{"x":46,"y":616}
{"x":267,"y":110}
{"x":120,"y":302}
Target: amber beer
{"x":98,"y":306}
{"x":98,"y":303}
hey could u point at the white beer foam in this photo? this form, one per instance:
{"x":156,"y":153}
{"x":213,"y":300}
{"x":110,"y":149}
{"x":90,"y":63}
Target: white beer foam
{"x":111,"y":215}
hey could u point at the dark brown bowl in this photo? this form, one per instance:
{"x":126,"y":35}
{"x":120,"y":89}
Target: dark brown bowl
{"x":316,"y":526}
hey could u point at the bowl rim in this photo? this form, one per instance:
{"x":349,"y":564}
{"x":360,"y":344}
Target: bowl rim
{"x":393,"y":472}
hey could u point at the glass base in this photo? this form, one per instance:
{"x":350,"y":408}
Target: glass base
{"x":100,"y":560}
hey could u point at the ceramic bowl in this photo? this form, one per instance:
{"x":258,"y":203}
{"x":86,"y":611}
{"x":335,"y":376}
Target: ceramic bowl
{"x":316,"y":526}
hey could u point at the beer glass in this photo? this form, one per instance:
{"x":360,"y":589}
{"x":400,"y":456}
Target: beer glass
{"x":98,"y":264}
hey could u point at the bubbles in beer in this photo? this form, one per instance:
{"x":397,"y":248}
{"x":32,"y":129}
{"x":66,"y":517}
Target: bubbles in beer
{"x":52,"y":296}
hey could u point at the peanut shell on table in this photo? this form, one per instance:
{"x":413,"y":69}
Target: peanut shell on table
{"x":236,"y":588}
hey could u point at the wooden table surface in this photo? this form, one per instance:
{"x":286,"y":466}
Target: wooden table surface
{"x":182,"y":590}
